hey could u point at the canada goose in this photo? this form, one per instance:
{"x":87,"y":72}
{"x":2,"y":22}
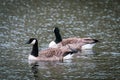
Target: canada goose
{"x":49,"y":54}
{"x":59,"y":42}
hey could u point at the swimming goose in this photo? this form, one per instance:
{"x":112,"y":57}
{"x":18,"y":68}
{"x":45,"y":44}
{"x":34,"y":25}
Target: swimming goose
{"x":49,"y":54}
{"x":59,"y":42}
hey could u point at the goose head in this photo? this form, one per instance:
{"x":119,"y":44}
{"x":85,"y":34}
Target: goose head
{"x":56,"y":29}
{"x":32,"y":41}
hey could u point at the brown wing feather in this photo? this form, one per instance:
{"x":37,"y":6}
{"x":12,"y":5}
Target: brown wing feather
{"x":74,"y":41}
{"x":70,"y":41}
{"x":50,"y":52}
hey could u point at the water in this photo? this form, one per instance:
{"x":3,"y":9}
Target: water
{"x":21,"y":20}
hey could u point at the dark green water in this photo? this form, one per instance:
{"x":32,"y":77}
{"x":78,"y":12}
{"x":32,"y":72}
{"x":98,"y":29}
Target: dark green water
{"x":23,"y":19}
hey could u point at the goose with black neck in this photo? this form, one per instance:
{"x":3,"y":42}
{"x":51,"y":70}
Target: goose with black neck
{"x":59,"y":42}
{"x":50,"y":54}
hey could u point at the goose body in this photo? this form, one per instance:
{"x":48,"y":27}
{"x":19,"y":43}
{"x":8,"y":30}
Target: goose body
{"x":49,"y":54}
{"x":59,"y":42}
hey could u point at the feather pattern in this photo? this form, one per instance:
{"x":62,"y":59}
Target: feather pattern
{"x":50,"y":53}
{"x":74,"y":40}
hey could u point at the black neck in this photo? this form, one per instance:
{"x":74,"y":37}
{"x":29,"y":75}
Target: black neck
{"x":58,"y":37}
{"x":35,"y":49}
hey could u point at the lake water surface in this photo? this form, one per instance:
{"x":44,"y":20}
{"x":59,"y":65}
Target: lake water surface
{"x":23,"y":19}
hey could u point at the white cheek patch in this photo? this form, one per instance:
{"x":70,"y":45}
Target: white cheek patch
{"x":33,"y":42}
{"x":53,"y":29}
